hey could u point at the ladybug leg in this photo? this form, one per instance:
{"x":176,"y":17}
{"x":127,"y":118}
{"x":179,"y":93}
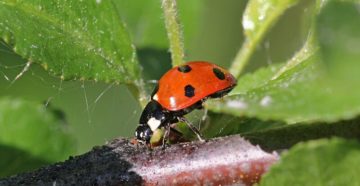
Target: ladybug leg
{"x":194,"y":129}
{"x":166,"y":136}
{"x":203,"y":118}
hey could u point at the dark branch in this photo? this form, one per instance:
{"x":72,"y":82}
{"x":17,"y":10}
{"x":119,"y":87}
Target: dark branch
{"x":222,"y":161}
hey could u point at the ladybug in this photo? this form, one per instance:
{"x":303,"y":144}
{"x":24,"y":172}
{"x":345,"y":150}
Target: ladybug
{"x":178,"y":92}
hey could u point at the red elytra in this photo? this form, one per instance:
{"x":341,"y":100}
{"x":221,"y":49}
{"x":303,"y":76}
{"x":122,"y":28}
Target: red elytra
{"x":183,"y":86}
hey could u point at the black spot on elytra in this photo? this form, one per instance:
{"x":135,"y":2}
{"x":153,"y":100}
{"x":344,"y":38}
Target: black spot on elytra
{"x":155,"y":90}
{"x":189,"y":91}
{"x":219,"y":74}
{"x":184,"y":68}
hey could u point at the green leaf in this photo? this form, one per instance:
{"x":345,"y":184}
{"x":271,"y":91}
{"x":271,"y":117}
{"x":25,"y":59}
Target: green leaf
{"x":302,"y":94}
{"x":307,"y":92}
{"x":286,"y":136}
{"x":146,"y":21}
{"x":223,"y":125}
{"x":71,"y":39}
{"x":32,"y":130}
{"x":322,"y":162}
{"x":260,"y":15}
{"x":258,"y":18}
{"x":288,"y":98}
{"x":252,"y":80}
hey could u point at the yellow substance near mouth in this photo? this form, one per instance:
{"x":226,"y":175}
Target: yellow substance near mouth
{"x":157,"y":136}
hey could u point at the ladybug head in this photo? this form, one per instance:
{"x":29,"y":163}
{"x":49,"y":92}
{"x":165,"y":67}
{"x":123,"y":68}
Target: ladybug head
{"x":152,"y":118}
{"x":143,"y":133}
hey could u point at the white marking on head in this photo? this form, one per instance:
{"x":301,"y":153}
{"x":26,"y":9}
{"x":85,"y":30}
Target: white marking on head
{"x":172,"y":101}
{"x":155,"y":97}
{"x":153,"y":123}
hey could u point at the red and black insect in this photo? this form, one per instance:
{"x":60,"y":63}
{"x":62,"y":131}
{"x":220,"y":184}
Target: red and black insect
{"x":179,"y":91}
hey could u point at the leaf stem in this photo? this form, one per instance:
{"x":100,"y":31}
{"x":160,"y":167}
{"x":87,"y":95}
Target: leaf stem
{"x":256,"y":30}
{"x":252,"y":40}
{"x":242,"y":58}
{"x":139,"y":92}
{"x":174,"y":32}
{"x":309,"y":49}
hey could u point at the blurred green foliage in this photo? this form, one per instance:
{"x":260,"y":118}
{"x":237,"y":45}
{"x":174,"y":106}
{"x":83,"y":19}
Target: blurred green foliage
{"x":31,"y":135}
{"x":320,"y":162}
{"x":299,"y":79}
